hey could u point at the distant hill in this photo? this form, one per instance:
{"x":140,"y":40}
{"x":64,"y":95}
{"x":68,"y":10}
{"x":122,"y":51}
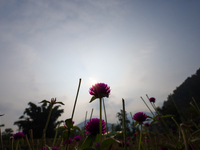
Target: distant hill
{"x":182,"y":96}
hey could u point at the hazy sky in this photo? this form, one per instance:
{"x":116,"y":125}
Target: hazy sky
{"x":137,"y":47}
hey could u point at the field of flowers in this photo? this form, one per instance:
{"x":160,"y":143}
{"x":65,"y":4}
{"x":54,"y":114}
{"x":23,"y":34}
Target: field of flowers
{"x":94,"y":136}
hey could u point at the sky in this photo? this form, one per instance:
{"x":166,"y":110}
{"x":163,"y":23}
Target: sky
{"x":136,"y":47}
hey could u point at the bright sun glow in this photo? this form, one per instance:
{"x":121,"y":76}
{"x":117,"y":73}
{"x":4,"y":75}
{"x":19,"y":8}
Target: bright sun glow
{"x":93,"y":81}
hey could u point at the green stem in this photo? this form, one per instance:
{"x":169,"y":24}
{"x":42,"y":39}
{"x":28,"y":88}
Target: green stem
{"x":17,"y":144}
{"x":76,"y":98}
{"x":181,"y":117}
{"x":184,"y":136}
{"x":124,"y":124}
{"x":196,"y":104}
{"x":1,"y":139}
{"x":100,"y":123}
{"x":105,"y":117}
{"x":28,"y":143}
{"x":85,"y":122}
{"x":147,"y":106}
{"x":45,"y":129}
{"x":91,"y":114}
{"x":140,"y":137}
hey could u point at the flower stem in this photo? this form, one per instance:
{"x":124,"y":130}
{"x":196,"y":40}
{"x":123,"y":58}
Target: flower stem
{"x":105,"y":117}
{"x":100,"y":124}
{"x":124,"y":124}
{"x":45,"y":129}
{"x":147,"y":106}
{"x":76,"y":98}
{"x":91,"y":113}
{"x":140,"y":137}
{"x":17,"y":144}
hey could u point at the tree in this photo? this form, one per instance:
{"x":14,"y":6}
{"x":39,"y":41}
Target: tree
{"x":127,"y":121}
{"x":7,"y":133}
{"x":35,"y":118}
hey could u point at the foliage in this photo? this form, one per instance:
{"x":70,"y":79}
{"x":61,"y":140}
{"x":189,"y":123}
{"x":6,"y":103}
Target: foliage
{"x":35,"y":118}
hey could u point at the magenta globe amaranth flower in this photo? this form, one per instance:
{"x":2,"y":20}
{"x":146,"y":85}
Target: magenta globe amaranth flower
{"x":98,"y":144}
{"x":100,"y":90}
{"x":92,"y":126}
{"x":77,"y":138}
{"x":18,"y":135}
{"x":140,"y":117}
{"x":147,"y":124}
{"x":152,"y":99}
{"x":69,"y":141}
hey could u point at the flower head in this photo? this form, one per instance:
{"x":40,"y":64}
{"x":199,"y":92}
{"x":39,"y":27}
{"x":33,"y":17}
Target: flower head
{"x":134,"y":134}
{"x":122,"y":144}
{"x":152,"y":99}
{"x":92,"y":126}
{"x":98,"y":144}
{"x":140,"y":117}
{"x":53,"y":101}
{"x":163,"y":148}
{"x":100,"y":90}
{"x":174,"y":131}
{"x":77,"y":138}
{"x":128,"y":138}
{"x":18,"y":135}
{"x":147,"y":124}
{"x":70,"y":141}
{"x":55,"y":148}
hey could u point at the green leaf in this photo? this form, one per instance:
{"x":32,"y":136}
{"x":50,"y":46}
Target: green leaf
{"x":68,"y":123}
{"x":135,"y":124}
{"x":153,"y":121}
{"x":149,"y":117}
{"x":77,"y":128}
{"x":65,"y":135}
{"x":107,"y":142}
{"x":61,"y":128}
{"x":194,"y":140}
{"x":21,"y":140}
{"x":93,"y":98}
{"x":167,"y":116}
{"x":44,"y":101}
{"x":89,"y":141}
{"x":60,"y":103}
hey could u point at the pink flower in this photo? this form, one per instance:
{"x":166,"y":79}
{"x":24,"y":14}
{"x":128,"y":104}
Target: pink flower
{"x":152,"y":99}
{"x":18,"y":135}
{"x":77,"y":138}
{"x":92,"y":126}
{"x":140,"y":117}
{"x":100,"y":90}
{"x":53,"y":101}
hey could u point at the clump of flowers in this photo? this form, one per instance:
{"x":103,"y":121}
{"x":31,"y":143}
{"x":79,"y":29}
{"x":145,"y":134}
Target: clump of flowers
{"x":18,"y":135}
{"x":140,"y":117}
{"x":92,"y":126}
{"x":152,"y":99}
{"x":122,"y":144}
{"x":69,"y":141}
{"x":77,"y":138}
{"x":100,"y":90}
